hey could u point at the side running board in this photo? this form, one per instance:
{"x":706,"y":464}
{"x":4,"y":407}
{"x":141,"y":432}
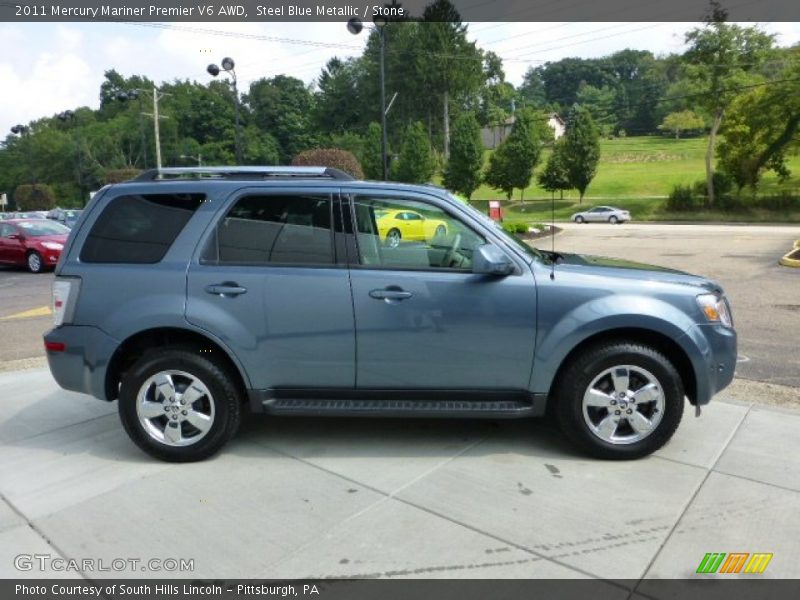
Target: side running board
{"x":476,"y":409}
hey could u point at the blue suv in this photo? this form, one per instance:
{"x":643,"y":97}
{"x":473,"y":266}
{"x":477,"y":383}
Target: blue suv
{"x":192,"y":294}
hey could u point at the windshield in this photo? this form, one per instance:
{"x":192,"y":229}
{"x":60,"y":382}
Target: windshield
{"x":529,"y":250}
{"x":40,"y":228}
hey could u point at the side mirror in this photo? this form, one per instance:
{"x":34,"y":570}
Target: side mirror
{"x":490,"y":260}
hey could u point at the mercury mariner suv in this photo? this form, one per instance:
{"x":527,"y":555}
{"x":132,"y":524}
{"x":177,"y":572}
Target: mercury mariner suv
{"x":189,"y":295}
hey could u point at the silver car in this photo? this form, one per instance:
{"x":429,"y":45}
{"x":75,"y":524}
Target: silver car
{"x":602,"y":214}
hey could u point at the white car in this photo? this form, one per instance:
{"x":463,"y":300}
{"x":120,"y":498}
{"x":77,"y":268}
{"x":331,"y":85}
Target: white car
{"x":602,"y":214}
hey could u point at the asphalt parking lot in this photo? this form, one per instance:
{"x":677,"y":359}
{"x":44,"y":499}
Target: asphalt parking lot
{"x":310,"y":498}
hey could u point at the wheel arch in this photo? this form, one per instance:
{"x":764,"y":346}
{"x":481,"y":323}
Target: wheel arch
{"x":133,"y":347}
{"x":647,"y":337}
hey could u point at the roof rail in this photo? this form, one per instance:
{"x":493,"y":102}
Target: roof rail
{"x":183,"y":173}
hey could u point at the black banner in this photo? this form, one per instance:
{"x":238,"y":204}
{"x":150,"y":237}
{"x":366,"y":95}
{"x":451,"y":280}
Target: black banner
{"x":752,"y":587}
{"x":367,"y":10}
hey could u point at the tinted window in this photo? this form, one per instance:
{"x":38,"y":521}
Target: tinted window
{"x":139,"y":229}
{"x":276,"y":230}
{"x":433,"y":239}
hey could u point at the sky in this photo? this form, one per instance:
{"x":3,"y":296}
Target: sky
{"x":50,"y":67}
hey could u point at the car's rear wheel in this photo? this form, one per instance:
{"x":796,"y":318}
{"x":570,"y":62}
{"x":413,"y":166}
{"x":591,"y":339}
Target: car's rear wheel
{"x":178,"y":406}
{"x":393,"y":238}
{"x":613,"y":219}
{"x":619,"y":400}
{"x":35,"y":263}
{"x":579,"y":219}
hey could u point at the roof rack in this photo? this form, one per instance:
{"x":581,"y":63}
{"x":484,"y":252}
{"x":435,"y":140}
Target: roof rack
{"x":183,"y":173}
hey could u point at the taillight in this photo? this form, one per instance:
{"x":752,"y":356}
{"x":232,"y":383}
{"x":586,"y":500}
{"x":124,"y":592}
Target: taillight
{"x":65,"y":293}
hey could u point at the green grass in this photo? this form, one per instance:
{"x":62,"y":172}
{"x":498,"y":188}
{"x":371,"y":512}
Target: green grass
{"x":637,"y":174}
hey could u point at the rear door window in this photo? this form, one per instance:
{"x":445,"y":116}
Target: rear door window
{"x":139,"y":229}
{"x":288,"y":229}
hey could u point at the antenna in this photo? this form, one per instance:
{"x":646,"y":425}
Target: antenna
{"x":553,"y":234}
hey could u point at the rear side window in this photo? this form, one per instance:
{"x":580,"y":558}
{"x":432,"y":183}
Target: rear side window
{"x":275,"y":229}
{"x":139,"y":229}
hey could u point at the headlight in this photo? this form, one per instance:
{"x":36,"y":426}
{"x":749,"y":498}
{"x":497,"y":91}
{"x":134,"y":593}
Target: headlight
{"x":715,"y":308}
{"x":53,"y":245}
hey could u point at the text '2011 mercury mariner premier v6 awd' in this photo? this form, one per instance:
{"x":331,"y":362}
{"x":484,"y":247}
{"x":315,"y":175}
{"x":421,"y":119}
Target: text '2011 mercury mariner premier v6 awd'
{"x":188,"y":293}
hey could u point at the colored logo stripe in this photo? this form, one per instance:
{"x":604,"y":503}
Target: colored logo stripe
{"x":734,"y":562}
{"x":758,"y":562}
{"x":711,"y":562}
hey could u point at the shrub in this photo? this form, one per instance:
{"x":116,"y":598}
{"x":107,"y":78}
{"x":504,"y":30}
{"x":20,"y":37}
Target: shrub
{"x":512,"y":227}
{"x":780,"y":202}
{"x":37,"y":196}
{"x":330,"y":157}
{"x":680,"y":198}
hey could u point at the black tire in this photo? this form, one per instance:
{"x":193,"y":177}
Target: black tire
{"x":34,"y":261}
{"x":576,"y":377}
{"x":579,"y":219}
{"x":393,"y":238}
{"x":225,"y":395}
{"x":613,"y":220}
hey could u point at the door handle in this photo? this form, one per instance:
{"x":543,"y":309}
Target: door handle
{"x":390,"y":294}
{"x":227,"y":289}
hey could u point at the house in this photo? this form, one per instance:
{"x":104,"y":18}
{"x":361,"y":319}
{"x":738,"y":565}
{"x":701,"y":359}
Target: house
{"x":494,"y":135}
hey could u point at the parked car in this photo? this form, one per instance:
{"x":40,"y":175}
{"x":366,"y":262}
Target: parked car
{"x":186,"y":293}
{"x":65,"y":216}
{"x":32,"y":243}
{"x":602,"y":214}
{"x":35,"y":214}
{"x":410,"y":225}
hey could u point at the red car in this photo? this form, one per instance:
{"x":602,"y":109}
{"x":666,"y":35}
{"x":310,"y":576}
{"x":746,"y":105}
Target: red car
{"x":32,"y":243}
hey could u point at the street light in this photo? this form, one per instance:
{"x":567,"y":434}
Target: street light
{"x":23,"y":130}
{"x":69,"y":115}
{"x":228,"y":68}
{"x":355,"y":26}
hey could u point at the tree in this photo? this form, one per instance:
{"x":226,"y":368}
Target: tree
{"x":721,"y":59}
{"x":450,"y":64}
{"x":338,"y":105}
{"x":685,"y":120}
{"x":581,"y":149}
{"x":500,"y":172}
{"x":372,"y":160}
{"x":416,"y":164}
{"x":511,"y":166}
{"x":283,"y":106}
{"x":463,"y":171}
{"x":531,"y":91}
{"x":555,"y":176}
{"x":600,"y":102}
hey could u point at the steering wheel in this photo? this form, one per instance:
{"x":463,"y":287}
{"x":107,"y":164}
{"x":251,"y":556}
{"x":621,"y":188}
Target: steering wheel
{"x":451,"y":252}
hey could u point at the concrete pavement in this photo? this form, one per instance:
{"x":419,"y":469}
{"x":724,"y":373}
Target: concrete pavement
{"x":291,"y":498}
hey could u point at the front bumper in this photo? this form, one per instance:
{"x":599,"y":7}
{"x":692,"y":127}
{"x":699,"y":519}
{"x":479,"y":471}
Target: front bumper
{"x":714,"y":359}
{"x":82,"y":365}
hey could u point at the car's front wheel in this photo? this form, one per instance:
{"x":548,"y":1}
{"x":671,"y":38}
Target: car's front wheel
{"x":619,"y":400}
{"x":178,"y":406}
{"x":393,"y":238}
{"x":35,"y":262}
{"x":613,"y":220}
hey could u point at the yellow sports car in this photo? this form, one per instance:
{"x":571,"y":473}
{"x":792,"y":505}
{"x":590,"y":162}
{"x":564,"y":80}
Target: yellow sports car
{"x":395,"y":226}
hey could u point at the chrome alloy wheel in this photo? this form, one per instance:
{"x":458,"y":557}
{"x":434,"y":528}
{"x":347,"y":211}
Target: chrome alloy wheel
{"x":34,"y":262}
{"x":623,"y":404}
{"x":175,"y":408}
